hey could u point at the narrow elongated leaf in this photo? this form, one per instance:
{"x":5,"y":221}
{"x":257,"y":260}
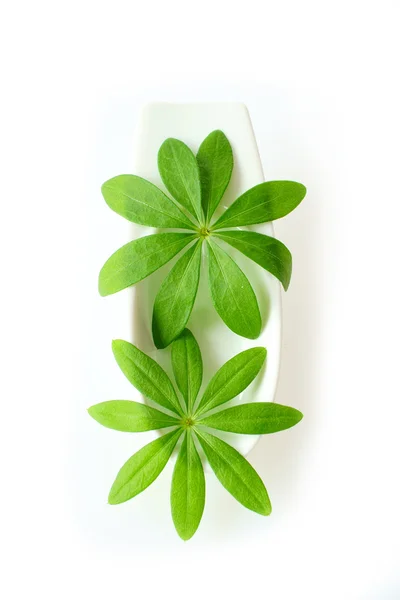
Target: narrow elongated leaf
{"x":188,"y":366}
{"x":264,"y":202}
{"x":215,"y":160}
{"x":142,"y":202}
{"x":146,"y":375}
{"x":232,"y":294}
{"x":175,"y":299}
{"x":188,"y":490}
{"x":138,"y":259}
{"x":126,"y":415}
{"x":254,"y":418}
{"x":143,"y":468}
{"x":235,"y":473}
{"x":266,"y":251}
{"x":232,"y":378}
{"x":180,"y":174}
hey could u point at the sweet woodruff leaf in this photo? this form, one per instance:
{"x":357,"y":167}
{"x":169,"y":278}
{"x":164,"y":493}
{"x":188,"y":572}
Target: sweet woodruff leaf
{"x":175,"y":299}
{"x":146,"y":375}
{"x":254,"y":418}
{"x":188,"y":482}
{"x":231,"y":293}
{"x":142,"y":202}
{"x":126,"y":415}
{"x":188,"y":490}
{"x":266,"y":251}
{"x":265,"y":202}
{"x":197,"y":184}
{"x":180,"y":174}
{"x":143,"y":468}
{"x":187,"y":365}
{"x":232,"y":378}
{"x":235,"y":473}
{"x":138,"y":259}
{"x":215,"y":160}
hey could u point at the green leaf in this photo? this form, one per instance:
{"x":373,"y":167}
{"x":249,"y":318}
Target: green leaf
{"x":232,"y":294}
{"x":215,"y":160}
{"x":254,"y":418}
{"x":266,"y":251}
{"x":138,"y":259}
{"x":143,"y":468}
{"x":146,"y":375}
{"x":188,"y":490}
{"x":232,"y":378}
{"x":235,"y":473}
{"x":264,"y":202}
{"x":180,"y":174}
{"x":126,"y":415}
{"x":142,"y":202}
{"x":188,"y":367}
{"x":175,"y":299}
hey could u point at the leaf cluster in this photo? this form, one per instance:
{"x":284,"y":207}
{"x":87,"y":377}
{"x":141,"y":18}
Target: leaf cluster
{"x":196,"y":185}
{"x":188,"y":417}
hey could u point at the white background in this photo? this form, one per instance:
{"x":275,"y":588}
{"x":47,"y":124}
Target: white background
{"x":321,"y":82}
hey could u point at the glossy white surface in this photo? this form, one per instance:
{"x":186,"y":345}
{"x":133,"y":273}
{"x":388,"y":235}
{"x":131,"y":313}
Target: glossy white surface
{"x":191,"y":123}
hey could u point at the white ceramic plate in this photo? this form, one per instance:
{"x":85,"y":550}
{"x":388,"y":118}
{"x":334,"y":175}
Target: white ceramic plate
{"x":191,"y":123}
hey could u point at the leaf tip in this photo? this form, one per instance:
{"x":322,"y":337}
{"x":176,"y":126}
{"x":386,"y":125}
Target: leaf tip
{"x":93,"y":413}
{"x":266,"y":510}
{"x":301,"y":192}
{"x":164,"y":146}
{"x":101,"y":287}
{"x":157,"y":338}
{"x":259,"y":353}
{"x":186,"y":536}
{"x":262,"y":350}
{"x":286,"y":277}
{"x":159,"y":344}
{"x":113,"y":497}
{"x":103,"y":190}
{"x":218,"y":132}
{"x":162,"y":341}
{"x":116,"y":345}
{"x":254,"y":334}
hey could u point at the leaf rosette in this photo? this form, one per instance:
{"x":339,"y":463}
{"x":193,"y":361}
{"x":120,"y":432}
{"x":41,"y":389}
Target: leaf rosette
{"x":196,"y":185}
{"x":188,"y":416}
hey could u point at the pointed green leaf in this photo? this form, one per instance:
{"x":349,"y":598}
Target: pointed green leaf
{"x":266,"y":251}
{"x":142,"y":202}
{"x":175,"y":299}
{"x":188,"y":490}
{"x":232,"y":294}
{"x":254,"y":418}
{"x":188,"y":366}
{"x":215,"y":160}
{"x":138,"y":259}
{"x":126,"y":415}
{"x":235,"y":473}
{"x":264,"y":202}
{"x":232,"y":378}
{"x":146,"y":375}
{"x":143,"y":468}
{"x":180,"y":174}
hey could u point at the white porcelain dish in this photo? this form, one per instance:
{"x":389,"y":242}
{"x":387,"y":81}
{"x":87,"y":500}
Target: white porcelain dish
{"x":191,"y":123}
